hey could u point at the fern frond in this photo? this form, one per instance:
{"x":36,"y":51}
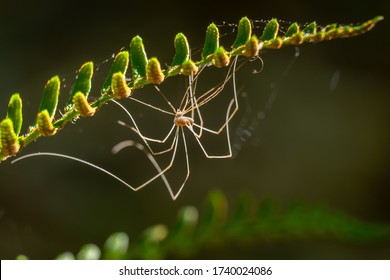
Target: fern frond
{"x":143,"y":72}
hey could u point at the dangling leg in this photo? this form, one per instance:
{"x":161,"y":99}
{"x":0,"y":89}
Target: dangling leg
{"x":118,"y":147}
{"x":207,"y":99}
{"x":190,"y":99}
{"x":228,"y":118}
{"x":144,"y":138}
{"x":187,"y":166}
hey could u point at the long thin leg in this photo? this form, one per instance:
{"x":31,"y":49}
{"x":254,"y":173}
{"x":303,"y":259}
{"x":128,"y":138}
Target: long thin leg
{"x":151,"y":106}
{"x":187,"y":165}
{"x":207,"y":99}
{"x":213,"y":92}
{"x":166,"y":99}
{"x":190,"y":99}
{"x":192,"y":83}
{"x":233,"y":74}
{"x":144,"y":138}
{"x":229,"y":154}
{"x":117,"y":148}
{"x":194,"y":103}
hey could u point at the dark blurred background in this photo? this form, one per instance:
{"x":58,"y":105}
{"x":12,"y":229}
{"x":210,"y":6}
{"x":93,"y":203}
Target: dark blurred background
{"x":324,"y":141}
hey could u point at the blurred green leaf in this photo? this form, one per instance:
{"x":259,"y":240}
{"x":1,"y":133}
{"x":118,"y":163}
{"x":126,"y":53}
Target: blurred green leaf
{"x":89,"y":252}
{"x":66,"y":256}
{"x":251,"y":224}
{"x":116,"y":246}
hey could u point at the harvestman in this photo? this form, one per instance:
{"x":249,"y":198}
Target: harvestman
{"x":189,"y":104}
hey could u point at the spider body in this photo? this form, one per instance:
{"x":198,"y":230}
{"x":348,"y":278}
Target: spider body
{"x":181,"y":120}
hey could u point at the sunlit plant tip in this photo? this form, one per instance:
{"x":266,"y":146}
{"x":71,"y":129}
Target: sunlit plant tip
{"x":252,"y":47}
{"x":276,"y":43}
{"x":9,"y":140}
{"x":119,"y":86}
{"x":45,"y":125}
{"x":82,"y":106}
{"x":153,"y":73}
{"x":221,"y":58}
{"x":188,"y":67}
